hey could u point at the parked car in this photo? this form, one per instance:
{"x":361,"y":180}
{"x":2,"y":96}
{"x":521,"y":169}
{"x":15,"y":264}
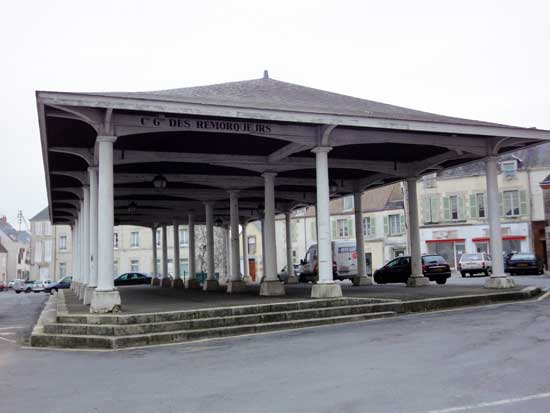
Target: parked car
{"x":10,"y":284}
{"x":40,"y":285}
{"x":398,"y":270}
{"x":132,"y":278}
{"x":20,"y":285}
{"x":283,"y":275}
{"x":475,"y":264}
{"x":524,"y":263}
{"x":59,"y":285}
{"x":3,"y":286}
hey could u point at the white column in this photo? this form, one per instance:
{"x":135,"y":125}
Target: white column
{"x":155,"y":280}
{"x":498,"y":278}
{"x":270,"y":283}
{"x":92,"y":174}
{"x":235,"y":283}
{"x":417,"y":278}
{"x":82,"y":250}
{"x":165,"y":282}
{"x":192,"y":282}
{"x":245,"y":250}
{"x":362,"y":277}
{"x":178,"y":282}
{"x":325,"y":287}
{"x":291,"y":279}
{"x":86,"y":293}
{"x":211,"y":284}
{"x":105,"y":297}
{"x":75,"y":252}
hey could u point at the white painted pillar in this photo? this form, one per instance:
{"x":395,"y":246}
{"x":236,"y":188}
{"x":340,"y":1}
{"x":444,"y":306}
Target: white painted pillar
{"x":417,"y":278}
{"x":245,"y":250}
{"x":498,"y":278}
{"x":325,"y":287}
{"x":82,"y":250}
{"x":155,"y":280}
{"x":362,"y":277}
{"x":105,"y":297}
{"x":86,"y":293}
{"x":270,"y":283}
{"x":211,"y":284}
{"x":178,"y":282}
{"x":291,"y":279}
{"x":192,"y":282}
{"x":92,"y":174}
{"x":235,"y":283}
{"x":262,"y":224}
{"x":165,"y":282}
{"x":76,"y":271}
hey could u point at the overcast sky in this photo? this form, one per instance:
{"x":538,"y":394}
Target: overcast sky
{"x":486,"y":60}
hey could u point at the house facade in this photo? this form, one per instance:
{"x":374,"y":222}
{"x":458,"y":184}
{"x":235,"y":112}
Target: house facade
{"x":15,"y":260}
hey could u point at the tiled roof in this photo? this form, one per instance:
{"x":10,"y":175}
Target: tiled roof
{"x":43,"y":215}
{"x":267,"y":93}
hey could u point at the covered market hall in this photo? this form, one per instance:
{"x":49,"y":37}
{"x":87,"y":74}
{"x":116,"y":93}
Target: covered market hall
{"x":239,"y":152}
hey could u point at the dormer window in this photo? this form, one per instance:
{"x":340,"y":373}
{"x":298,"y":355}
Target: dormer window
{"x":509,"y":168}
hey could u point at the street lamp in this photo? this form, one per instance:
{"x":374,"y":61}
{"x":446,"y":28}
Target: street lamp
{"x":160,"y":182}
{"x":132,"y":207}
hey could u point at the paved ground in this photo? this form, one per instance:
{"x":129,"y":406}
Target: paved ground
{"x":431,"y":362}
{"x":146,"y":298}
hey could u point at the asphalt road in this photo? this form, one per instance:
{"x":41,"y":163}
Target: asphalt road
{"x":491,"y":359}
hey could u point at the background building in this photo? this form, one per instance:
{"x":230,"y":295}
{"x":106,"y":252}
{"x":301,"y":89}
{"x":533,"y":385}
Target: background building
{"x":14,"y":252}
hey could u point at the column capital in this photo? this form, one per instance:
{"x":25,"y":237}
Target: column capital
{"x":321,"y":149}
{"x":233,"y":192}
{"x":269,"y":174}
{"x":93,"y":168}
{"x":106,"y":138}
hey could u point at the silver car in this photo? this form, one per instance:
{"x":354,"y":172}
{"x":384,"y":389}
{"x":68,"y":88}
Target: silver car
{"x":478,"y":263}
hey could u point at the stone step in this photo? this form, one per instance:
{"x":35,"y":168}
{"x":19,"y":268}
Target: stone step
{"x":138,"y":340}
{"x":213,"y":312}
{"x":204,"y":323}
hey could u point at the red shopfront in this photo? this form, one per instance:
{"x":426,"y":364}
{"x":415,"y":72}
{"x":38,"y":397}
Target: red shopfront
{"x":510,"y":243}
{"x":451,"y":249}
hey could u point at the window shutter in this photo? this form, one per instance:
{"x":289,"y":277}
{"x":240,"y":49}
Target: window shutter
{"x":473,"y":206}
{"x":523,"y":203}
{"x":351,"y":231}
{"x":386,"y":225}
{"x":446,"y":209}
{"x":461,"y":209}
{"x":426,"y":209}
{"x":402,"y":219}
{"x":500,"y":204}
{"x":334,"y":232}
{"x":435,"y":208}
{"x":372,"y":226}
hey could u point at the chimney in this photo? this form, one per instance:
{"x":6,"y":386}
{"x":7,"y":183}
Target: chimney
{"x":3,"y":220}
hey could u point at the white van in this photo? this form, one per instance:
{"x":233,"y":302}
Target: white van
{"x":344,"y":264}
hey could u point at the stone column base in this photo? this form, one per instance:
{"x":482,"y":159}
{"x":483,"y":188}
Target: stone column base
{"x":329,"y":290}
{"x":236,"y":286}
{"x":105,"y":302}
{"x":270,"y":288}
{"x":292,"y":280}
{"x":81,"y":289}
{"x":166,"y":283}
{"x":73,"y":285}
{"x":247,"y":279}
{"x":500,"y":282}
{"x":211,"y":285}
{"x":363,"y":280}
{"x":88,"y":294}
{"x":192,"y":284}
{"x":418,"y":281}
{"x":155,"y":281}
{"x":178,"y":284}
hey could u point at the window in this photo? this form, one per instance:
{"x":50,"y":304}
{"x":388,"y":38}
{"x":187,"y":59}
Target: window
{"x":38,"y":251}
{"x":115,"y":240}
{"x":293,"y":232}
{"x":170,"y":266}
{"x":63,"y":243}
{"x":369,"y":227}
{"x":46,"y":228}
{"x":184,"y":237}
{"x":348,"y":203}
{"x":134,"y":265}
{"x":429,"y":181}
{"x":313,"y":230}
{"x":134,"y":239}
{"x":184,"y":267}
{"x":511,"y":203}
{"x":252,"y":245}
{"x":395,"y":224}
{"x":343,"y":228}
{"x":62,"y":269}
{"x":430,"y":209}
{"x":480,"y":200}
{"x":509,"y":168}
{"x":48,"y":250}
{"x":453,"y":202}
{"x":115,"y":268}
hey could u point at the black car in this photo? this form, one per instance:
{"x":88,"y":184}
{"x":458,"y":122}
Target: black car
{"x":398,"y":270}
{"x":59,"y":285}
{"x":524,"y":263}
{"x":132,"y":278}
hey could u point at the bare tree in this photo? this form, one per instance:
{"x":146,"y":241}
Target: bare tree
{"x":220,"y":250}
